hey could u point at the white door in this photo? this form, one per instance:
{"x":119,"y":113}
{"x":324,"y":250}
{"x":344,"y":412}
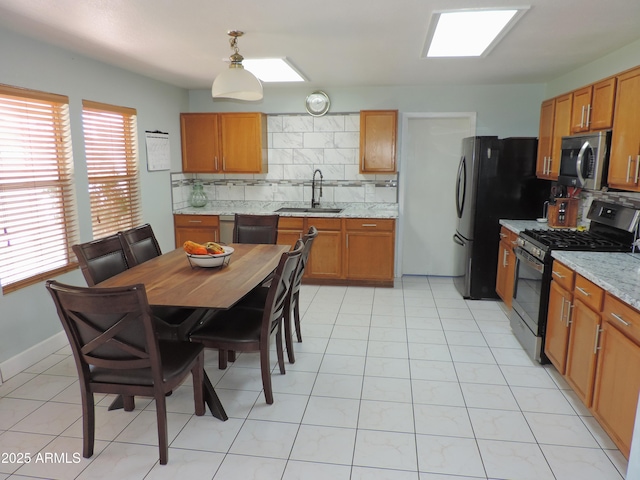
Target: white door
{"x":431,"y":154}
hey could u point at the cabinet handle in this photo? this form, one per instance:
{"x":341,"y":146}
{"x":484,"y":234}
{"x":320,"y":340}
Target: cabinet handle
{"x":503,"y":235}
{"x":562,"y":311}
{"x":514,"y":242}
{"x":620,"y":319}
{"x":568,"y":316}
{"x":583,"y":291}
{"x":628,"y":168}
{"x":637,"y":165}
{"x":588,"y":116}
{"x":195,"y":221}
{"x":369,"y":224}
{"x":550,"y":162}
{"x":557,"y":274}
{"x":582,"y":117}
{"x":544,"y":165}
{"x":595,"y":346}
{"x":505,"y":254}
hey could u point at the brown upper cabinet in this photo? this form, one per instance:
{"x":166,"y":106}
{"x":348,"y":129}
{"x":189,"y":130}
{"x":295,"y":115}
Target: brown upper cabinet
{"x":555,"y":123}
{"x":224,"y":142}
{"x":593,"y":106}
{"x":378,"y":137}
{"x":624,"y":162}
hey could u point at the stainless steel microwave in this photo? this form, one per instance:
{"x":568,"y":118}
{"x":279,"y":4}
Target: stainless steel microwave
{"x":584,"y":160}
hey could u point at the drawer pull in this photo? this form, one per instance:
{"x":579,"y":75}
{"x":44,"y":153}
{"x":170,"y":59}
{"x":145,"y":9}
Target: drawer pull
{"x":620,"y":319}
{"x":569,"y":313}
{"x":195,"y":221}
{"x":562,"y":311}
{"x":503,"y":235}
{"x":558,"y":274}
{"x":583,"y":291}
{"x":369,"y":224}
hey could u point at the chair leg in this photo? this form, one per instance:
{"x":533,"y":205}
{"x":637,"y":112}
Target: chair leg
{"x":266,"y":374}
{"x":198,"y":385}
{"x":296,"y":317}
{"x":222,"y":359}
{"x":129,"y":403}
{"x":163,"y":436}
{"x":279,"y":349}
{"x":88,"y":423}
{"x":288,"y":336}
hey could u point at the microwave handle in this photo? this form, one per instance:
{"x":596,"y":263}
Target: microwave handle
{"x":579,"y":160}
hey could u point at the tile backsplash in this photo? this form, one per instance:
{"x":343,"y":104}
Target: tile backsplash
{"x":297,"y":145}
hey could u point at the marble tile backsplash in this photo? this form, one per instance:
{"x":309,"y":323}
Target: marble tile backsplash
{"x":297,"y":145}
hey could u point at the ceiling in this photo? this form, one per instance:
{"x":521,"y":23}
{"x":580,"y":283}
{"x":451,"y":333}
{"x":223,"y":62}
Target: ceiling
{"x":333,"y":43}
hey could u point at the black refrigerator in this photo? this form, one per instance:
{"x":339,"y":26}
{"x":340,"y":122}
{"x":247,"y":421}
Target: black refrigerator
{"x":496,"y":179}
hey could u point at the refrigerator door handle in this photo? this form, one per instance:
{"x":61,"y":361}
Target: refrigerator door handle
{"x":461,"y":182}
{"x":458,"y":239}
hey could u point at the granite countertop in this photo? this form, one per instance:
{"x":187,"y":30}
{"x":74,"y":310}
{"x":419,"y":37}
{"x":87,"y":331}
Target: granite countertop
{"x":352,"y":210}
{"x":517,"y":226}
{"x":616,"y":273}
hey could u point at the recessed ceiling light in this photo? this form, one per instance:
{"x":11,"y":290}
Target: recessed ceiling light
{"x":469,"y":33}
{"x":272,"y":69}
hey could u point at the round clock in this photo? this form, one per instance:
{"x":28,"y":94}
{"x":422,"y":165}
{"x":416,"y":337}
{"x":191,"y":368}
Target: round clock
{"x":318,"y":103}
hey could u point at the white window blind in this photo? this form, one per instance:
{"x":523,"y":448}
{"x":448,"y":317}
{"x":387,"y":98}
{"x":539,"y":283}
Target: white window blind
{"x":37,"y":203}
{"x":110,"y":142}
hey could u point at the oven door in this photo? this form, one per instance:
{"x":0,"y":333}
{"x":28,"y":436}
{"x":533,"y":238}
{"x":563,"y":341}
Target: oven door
{"x":530,"y":302}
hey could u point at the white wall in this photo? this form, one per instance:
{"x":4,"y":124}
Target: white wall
{"x":27,"y":316}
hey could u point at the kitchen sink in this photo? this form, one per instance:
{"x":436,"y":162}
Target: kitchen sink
{"x":308,"y":210}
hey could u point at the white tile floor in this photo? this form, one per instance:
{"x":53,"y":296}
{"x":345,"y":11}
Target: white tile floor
{"x":409,"y":383}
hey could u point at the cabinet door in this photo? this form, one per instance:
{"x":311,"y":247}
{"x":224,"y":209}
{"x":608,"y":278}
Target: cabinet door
{"x":545,"y":141}
{"x":378,"y":132}
{"x":200,"y":142}
{"x":325,"y":258}
{"x":602,"y":102}
{"x":242,"y":139}
{"x":624,"y":162}
{"x":581,"y":110}
{"x":582,"y":353}
{"x":290,"y":230}
{"x":369,"y":255}
{"x":557,"y":335}
{"x":617,"y":386}
{"x":561,"y":128}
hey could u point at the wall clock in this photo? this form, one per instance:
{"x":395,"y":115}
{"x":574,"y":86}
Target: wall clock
{"x":317,"y":103}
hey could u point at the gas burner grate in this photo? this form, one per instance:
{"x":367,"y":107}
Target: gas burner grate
{"x":575,"y":240}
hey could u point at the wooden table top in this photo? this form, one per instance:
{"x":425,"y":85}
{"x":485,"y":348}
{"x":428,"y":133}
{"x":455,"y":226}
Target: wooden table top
{"x":171,"y":281}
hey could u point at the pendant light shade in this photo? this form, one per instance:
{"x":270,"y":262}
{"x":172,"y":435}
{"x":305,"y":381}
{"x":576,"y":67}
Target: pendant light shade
{"x":236,"y":82}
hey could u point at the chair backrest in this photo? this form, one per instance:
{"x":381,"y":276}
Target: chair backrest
{"x":140,"y":244}
{"x":307,"y":240}
{"x":108,"y":328}
{"x":278,"y":297}
{"x":101,"y":259}
{"x":255,"y":229}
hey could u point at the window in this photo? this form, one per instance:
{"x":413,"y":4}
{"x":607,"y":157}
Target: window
{"x":111,"y":151}
{"x":37,"y":202}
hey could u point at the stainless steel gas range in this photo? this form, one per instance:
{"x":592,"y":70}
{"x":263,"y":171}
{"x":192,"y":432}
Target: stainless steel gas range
{"x":613,"y":228}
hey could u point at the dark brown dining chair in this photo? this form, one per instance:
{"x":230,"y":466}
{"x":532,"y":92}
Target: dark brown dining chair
{"x":255,"y":229}
{"x":257,"y":297}
{"x":249,"y":329}
{"x":140,"y":244}
{"x":116,"y":351}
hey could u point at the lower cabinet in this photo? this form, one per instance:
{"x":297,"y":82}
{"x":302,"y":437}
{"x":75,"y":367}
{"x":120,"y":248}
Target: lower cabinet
{"x":290,"y":230}
{"x":559,"y":316}
{"x":197,"y":228}
{"x":325,"y":259}
{"x":369,"y":249}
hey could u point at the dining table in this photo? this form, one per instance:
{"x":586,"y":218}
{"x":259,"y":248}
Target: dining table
{"x":171,"y":280}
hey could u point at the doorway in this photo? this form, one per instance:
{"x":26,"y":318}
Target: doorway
{"x":430,"y":156}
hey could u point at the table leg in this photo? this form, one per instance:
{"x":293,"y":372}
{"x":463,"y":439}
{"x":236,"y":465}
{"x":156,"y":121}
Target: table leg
{"x":212,"y":400}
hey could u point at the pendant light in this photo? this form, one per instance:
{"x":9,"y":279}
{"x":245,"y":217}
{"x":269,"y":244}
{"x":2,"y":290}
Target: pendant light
{"x":236,"y":82}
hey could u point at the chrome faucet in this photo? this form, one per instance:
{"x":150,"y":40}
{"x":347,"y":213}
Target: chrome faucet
{"x":315,"y":203}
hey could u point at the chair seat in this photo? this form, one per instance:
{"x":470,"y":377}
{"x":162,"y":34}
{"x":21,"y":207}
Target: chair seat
{"x":175,"y":355}
{"x":240,"y":325}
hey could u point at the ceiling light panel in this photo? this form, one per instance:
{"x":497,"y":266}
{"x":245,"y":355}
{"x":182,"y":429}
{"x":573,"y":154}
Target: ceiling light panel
{"x":469,"y":33}
{"x":272,"y":69}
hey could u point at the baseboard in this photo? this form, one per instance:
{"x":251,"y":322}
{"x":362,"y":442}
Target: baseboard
{"x":32,"y":355}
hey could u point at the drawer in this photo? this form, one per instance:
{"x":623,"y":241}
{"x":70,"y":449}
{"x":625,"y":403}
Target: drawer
{"x":196,"y":220}
{"x":325,"y":223}
{"x":508,"y":236}
{"x":563,"y":275}
{"x":291,"y":223}
{"x":624,"y":317}
{"x":387,"y":225}
{"x":589,"y":293}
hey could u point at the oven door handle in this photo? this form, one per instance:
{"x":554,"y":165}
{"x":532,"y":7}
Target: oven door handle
{"x":530,"y":260}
